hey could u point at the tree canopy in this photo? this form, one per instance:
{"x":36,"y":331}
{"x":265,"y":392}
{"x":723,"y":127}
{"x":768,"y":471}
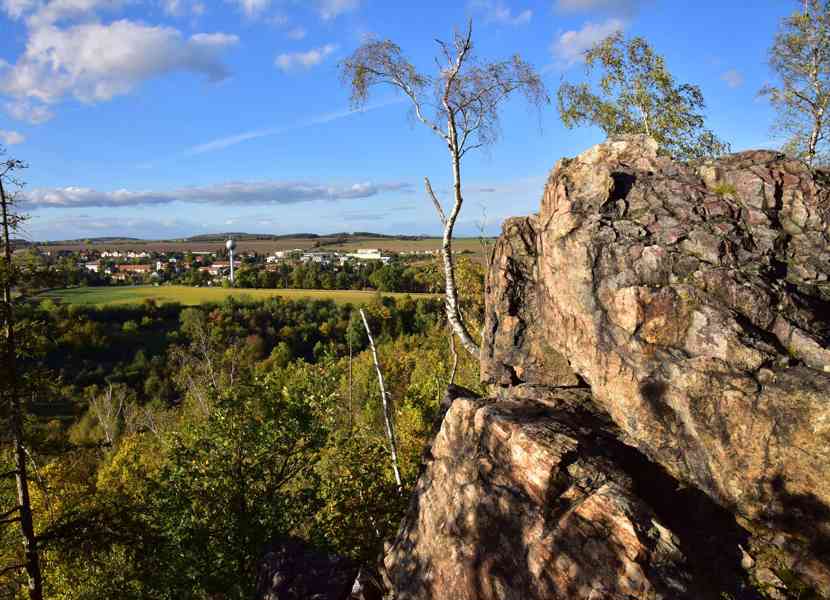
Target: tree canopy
{"x":636,"y":93}
{"x":800,"y":56}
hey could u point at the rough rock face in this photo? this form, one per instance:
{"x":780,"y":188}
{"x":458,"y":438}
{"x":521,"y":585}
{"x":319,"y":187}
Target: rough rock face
{"x":659,"y":337}
{"x":533,"y":497}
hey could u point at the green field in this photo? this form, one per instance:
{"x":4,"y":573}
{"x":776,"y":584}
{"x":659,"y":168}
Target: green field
{"x":191,"y":296}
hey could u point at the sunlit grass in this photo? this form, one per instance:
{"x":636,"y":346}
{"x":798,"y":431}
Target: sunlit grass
{"x":191,"y":296}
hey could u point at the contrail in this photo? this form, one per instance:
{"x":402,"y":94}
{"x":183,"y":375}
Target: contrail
{"x":232,"y":140}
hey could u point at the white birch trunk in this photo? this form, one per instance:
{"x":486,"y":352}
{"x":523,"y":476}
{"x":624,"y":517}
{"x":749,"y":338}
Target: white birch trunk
{"x":387,"y":417}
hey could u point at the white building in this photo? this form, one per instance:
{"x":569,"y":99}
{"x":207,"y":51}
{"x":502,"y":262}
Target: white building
{"x":93,"y":266}
{"x":321,"y":258}
{"x":369,"y":254}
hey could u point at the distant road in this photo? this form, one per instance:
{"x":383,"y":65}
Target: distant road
{"x":191,"y":296}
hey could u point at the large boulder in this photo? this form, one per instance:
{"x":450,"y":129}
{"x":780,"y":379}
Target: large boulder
{"x":532,"y":496}
{"x":694,"y":301}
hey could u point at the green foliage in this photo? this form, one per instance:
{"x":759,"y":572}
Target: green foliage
{"x":161,"y":485}
{"x":637,"y":94}
{"x":237,"y":479}
{"x":723,"y":188}
{"x":800,"y":57}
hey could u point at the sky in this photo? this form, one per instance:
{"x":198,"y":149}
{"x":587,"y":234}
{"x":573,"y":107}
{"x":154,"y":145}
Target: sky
{"x":161,"y":119}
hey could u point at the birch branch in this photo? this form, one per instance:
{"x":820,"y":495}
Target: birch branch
{"x":390,"y":433}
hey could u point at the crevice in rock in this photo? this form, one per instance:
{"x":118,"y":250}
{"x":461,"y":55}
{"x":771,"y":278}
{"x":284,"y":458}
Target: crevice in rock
{"x":760,"y":334}
{"x":623,"y":183}
{"x":778,"y":259}
{"x":514,"y":377}
{"x":708,"y":533}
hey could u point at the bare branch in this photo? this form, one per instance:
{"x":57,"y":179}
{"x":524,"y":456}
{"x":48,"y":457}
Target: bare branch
{"x":9,"y":512}
{"x":387,"y":416}
{"x":467,"y":97}
{"x":435,"y":201}
{"x":11,"y":568}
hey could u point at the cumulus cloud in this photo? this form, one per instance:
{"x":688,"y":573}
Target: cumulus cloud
{"x":495,"y":11}
{"x":23,"y":110}
{"x":330,"y":9}
{"x":571,"y":46}
{"x":61,"y":10}
{"x":10,"y":138}
{"x":15,"y":9}
{"x":733,"y":78}
{"x":229,"y":193}
{"x":304,"y":60}
{"x":626,"y":7}
{"x":94,"y":62}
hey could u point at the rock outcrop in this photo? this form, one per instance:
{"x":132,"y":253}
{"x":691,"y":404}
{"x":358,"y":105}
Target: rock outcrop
{"x":659,"y":335}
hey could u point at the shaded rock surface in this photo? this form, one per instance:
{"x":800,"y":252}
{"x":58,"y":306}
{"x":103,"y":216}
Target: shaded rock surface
{"x":659,"y":335}
{"x":533,"y":496}
{"x":292,"y":570}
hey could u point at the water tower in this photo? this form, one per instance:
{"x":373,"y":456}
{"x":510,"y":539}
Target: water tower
{"x":231,"y":246}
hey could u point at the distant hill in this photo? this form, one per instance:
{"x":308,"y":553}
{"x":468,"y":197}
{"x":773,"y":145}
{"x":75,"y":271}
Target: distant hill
{"x":239,"y":236}
{"x":95,"y":240}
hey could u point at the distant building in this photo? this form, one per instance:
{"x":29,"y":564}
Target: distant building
{"x":220,"y":267}
{"x":95,"y":267}
{"x":128,"y":268}
{"x":321,"y":258}
{"x":127,"y":271}
{"x":369,"y":254}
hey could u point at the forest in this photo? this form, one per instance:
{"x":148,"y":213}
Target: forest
{"x":173,"y":443}
{"x":154,"y":450}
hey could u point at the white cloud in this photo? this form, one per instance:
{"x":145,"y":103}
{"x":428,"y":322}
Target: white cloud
{"x":251,"y":8}
{"x":95,"y":62}
{"x":297,"y":33}
{"x":10,"y":138}
{"x":572,"y":45}
{"x":23,"y":110}
{"x":61,"y":10}
{"x":626,"y":7}
{"x":733,"y":78}
{"x":330,"y":9}
{"x":232,"y":140}
{"x":79,"y":226}
{"x":304,"y":60}
{"x":224,"y":194}
{"x":495,"y":11}
{"x":17,"y":8}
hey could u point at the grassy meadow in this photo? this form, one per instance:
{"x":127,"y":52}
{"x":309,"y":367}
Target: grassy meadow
{"x":191,"y":296}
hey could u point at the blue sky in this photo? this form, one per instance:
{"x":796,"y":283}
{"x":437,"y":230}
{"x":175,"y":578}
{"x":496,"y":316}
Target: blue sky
{"x":167,"y":118}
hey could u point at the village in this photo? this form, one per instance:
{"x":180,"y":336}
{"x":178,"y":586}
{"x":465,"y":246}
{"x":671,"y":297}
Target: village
{"x":309,"y":268}
{"x":127,"y":266}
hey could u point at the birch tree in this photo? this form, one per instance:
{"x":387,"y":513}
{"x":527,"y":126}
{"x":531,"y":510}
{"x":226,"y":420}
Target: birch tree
{"x":636,"y":93}
{"x":800,"y":57}
{"x":460,"y":105}
{"x":11,"y":388}
{"x":387,"y":412}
